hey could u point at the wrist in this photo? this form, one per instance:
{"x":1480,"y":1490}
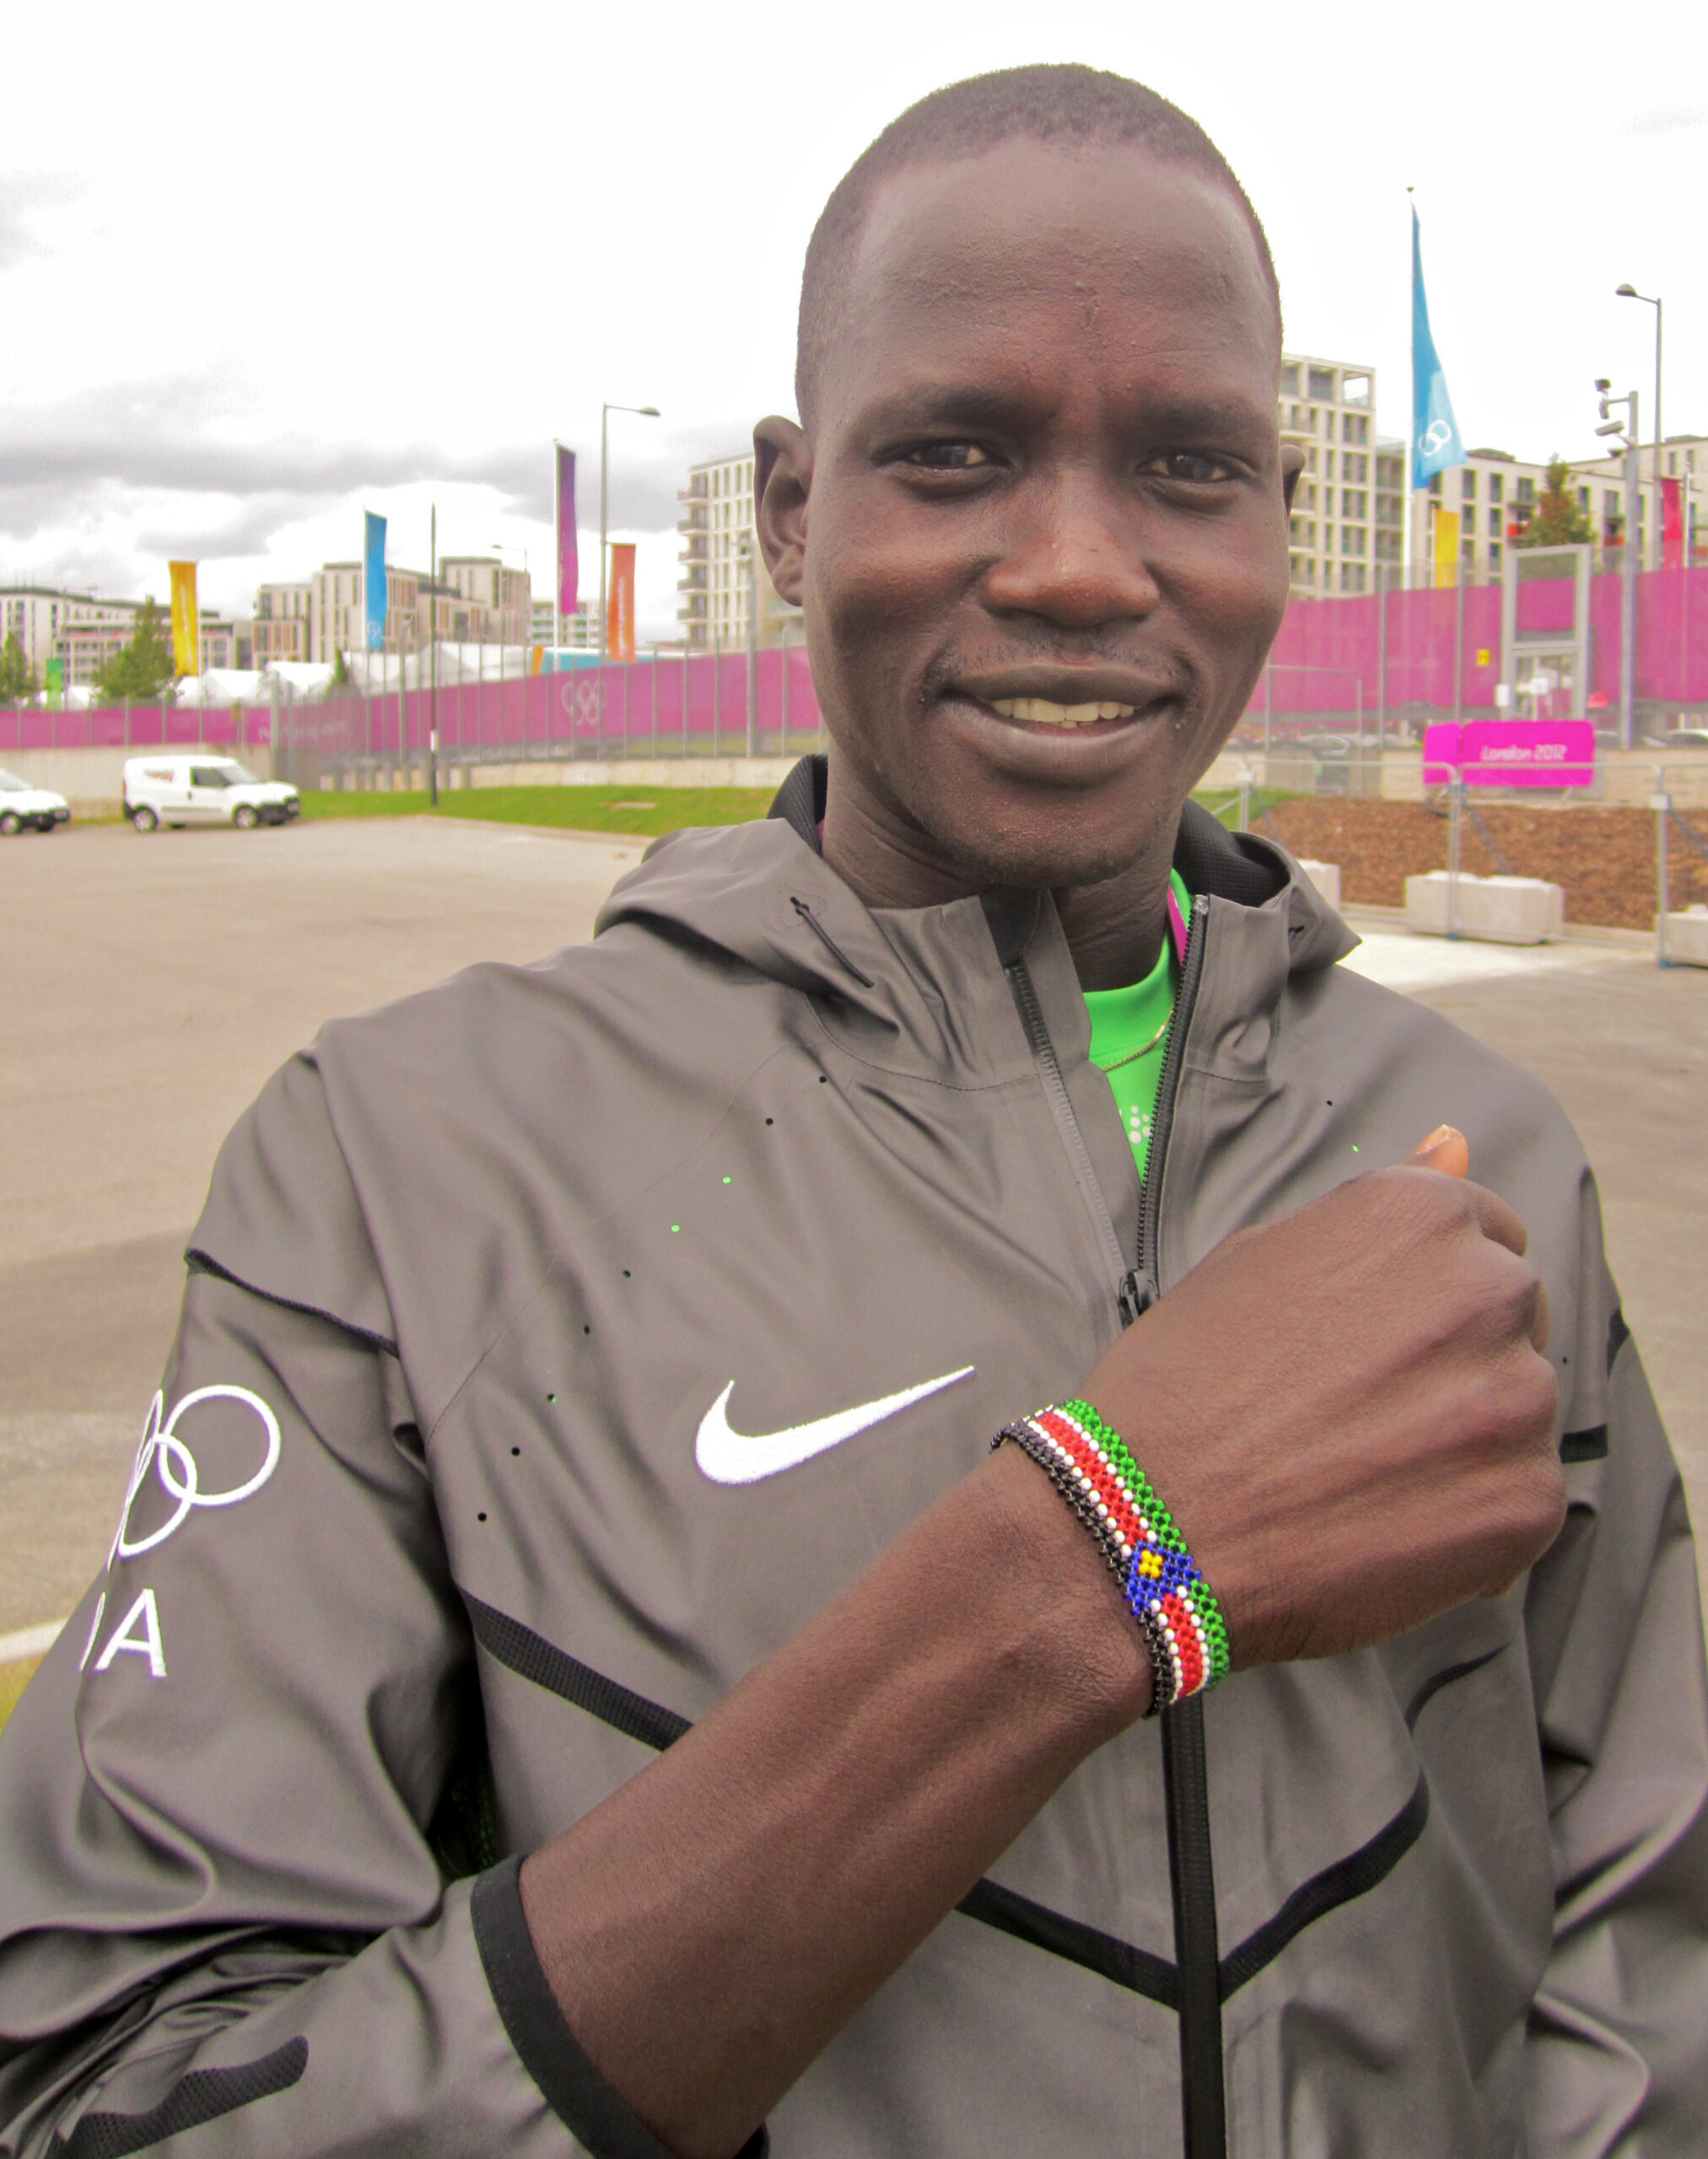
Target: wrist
{"x":1089,"y":1652}
{"x":1163,"y":1587}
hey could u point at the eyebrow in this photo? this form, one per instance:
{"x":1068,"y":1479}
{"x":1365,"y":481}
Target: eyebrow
{"x":980,"y":404}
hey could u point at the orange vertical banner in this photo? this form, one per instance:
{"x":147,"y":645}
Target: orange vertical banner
{"x":619,"y":606}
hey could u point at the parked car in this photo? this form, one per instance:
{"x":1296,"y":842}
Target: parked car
{"x":22,"y":806}
{"x":174,"y":789}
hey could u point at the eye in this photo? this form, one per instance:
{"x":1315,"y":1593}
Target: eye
{"x":948,"y":456}
{"x":1196,"y":467}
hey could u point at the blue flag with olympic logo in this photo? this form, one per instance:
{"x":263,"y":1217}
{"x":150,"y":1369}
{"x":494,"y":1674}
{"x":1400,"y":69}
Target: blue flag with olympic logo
{"x":1435,"y":441}
{"x":374,"y":580}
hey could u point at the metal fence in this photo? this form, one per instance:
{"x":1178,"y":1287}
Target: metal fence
{"x":1348,"y":679}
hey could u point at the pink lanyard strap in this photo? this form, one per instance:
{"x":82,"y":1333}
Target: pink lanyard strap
{"x":1176,"y":927}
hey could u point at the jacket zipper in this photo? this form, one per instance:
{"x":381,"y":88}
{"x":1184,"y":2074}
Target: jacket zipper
{"x":1185,"y":1774}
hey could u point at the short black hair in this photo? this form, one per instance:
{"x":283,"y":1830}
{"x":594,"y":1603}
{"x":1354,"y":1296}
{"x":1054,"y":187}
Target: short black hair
{"x":1042,"y":105}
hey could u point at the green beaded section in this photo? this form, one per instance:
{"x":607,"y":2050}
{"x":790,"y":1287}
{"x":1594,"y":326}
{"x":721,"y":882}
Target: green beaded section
{"x":1162,"y":1526}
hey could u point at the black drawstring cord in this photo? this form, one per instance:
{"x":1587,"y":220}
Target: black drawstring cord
{"x":829,"y":942}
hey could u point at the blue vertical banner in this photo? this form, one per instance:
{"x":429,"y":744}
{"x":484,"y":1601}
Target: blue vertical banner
{"x":374,"y":580}
{"x":1435,"y":441}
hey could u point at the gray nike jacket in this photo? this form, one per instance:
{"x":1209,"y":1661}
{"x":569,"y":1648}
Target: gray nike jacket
{"x":557,"y":1341}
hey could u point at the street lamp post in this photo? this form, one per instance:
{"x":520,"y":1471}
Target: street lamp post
{"x":646,"y":413}
{"x":1630,"y":293}
{"x":1631,"y":430}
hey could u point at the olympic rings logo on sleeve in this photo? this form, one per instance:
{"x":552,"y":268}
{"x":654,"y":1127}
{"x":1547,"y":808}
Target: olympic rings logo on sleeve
{"x":164,"y":1450}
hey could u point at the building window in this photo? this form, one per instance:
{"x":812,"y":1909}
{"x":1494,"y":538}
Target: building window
{"x":1290,"y":378}
{"x":1468,"y":485}
{"x":1495,"y":523}
{"x":1494,"y":554}
{"x":1355,"y":426}
{"x":1322,"y":383}
{"x":1352,"y":577}
{"x":1497,"y":487}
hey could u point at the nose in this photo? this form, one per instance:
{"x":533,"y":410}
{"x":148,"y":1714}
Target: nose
{"x":1073,"y":554}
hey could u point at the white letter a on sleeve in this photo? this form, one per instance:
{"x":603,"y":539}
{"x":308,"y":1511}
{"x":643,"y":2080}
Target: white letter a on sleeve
{"x":143,"y":1613}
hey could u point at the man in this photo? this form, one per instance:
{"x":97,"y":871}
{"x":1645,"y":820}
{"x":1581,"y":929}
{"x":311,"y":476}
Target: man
{"x":577,"y":1354}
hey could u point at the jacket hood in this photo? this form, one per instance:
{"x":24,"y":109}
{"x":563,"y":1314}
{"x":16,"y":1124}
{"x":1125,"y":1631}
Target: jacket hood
{"x":763,"y":894}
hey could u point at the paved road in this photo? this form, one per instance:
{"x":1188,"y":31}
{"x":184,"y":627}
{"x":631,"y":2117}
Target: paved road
{"x":149,"y":986}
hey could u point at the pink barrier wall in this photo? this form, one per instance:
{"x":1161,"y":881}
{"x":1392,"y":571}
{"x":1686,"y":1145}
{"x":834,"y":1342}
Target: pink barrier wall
{"x":1331,"y":657}
{"x":136,"y":727}
{"x":1328,"y":655}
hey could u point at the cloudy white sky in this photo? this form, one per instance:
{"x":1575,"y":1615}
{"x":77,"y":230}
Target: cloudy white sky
{"x":260,"y":270}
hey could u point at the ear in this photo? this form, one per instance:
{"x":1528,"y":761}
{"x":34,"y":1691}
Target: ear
{"x":782,"y":480}
{"x":1292,"y":464}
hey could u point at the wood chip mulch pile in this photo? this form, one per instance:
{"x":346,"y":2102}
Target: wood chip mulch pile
{"x":1603,"y":859}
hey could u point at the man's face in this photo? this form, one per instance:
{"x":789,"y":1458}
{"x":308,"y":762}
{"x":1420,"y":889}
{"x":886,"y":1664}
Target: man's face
{"x":1043,"y":550}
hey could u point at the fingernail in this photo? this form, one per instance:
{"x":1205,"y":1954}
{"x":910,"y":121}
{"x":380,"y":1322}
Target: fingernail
{"x":1427,"y":1146}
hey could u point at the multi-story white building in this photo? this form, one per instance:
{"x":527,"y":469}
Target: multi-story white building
{"x":580,"y":629}
{"x":76,"y":628}
{"x":1349,"y":511}
{"x":281,"y":613}
{"x":497,"y":600}
{"x":1493,"y":493}
{"x":475,"y":601}
{"x":720,"y":559}
{"x":1599,"y":482}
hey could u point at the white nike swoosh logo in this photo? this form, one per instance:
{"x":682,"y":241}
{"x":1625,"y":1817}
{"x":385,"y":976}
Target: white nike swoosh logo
{"x":731,"y":1457}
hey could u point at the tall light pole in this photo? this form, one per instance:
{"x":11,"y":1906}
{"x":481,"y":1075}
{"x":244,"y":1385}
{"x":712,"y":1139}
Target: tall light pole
{"x":1630,"y":293}
{"x":646,"y":413}
{"x":1631,"y":430}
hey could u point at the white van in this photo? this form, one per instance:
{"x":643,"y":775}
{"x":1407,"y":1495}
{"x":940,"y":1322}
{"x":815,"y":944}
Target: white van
{"x":180,"y":789}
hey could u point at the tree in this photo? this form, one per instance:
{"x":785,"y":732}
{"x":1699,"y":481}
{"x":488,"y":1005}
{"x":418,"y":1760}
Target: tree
{"x":1556,"y":521}
{"x":17,"y":676}
{"x":341,"y":677}
{"x":140,"y":670}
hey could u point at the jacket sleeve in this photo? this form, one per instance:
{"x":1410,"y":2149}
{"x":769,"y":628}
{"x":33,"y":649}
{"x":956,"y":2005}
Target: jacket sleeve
{"x":1618,"y":2040}
{"x":223,"y":1893}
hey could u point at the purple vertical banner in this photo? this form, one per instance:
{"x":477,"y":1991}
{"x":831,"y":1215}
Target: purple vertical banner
{"x":568,"y":566}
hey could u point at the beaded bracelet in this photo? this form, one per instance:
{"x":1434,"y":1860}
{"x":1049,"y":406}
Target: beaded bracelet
{"x":1089,"y":1464}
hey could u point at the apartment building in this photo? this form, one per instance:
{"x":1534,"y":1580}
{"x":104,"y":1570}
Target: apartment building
{"x":83,"y":632}
{"x":1493,"y":493}
{"x":73,"y":627}
{"x":282,"y":615}
{"x":1349,"y":510}
{"x":721,"y":560}
{"x":497,"y":602}
{"x":580,"y":630}
{"x":1599,"y":482}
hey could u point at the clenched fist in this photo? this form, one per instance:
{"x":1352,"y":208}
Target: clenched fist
{"x":1347,"y":1412}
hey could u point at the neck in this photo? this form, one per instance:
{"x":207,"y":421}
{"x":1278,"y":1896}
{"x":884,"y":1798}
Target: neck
{"x":1114,"y":925}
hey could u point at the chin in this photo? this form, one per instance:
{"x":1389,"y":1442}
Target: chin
{"x":1053,"y":844}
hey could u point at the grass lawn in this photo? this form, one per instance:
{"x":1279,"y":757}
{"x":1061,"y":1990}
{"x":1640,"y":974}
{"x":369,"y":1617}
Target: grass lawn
{"x":633,"y":809}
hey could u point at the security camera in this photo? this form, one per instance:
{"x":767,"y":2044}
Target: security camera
{"x":1613,"y":427}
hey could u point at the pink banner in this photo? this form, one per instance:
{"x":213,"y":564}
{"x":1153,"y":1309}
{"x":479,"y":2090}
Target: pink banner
{"x":1510,"y":752}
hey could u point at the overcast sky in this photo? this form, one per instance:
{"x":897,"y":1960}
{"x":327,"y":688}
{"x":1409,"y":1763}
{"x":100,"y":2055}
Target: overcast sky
{"x":261,"y":270}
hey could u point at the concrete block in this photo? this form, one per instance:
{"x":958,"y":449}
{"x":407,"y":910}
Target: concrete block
{"x":1687,"y":937}
{"x":1495,"y":910}
{"x":1326,"y":877}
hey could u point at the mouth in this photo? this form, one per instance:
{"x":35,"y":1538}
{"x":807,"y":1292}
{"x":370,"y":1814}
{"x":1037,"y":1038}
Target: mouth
{"x":1045,"y":712}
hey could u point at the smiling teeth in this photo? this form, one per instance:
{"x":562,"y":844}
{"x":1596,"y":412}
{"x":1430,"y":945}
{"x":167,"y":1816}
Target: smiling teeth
{"x":1046,"y":712}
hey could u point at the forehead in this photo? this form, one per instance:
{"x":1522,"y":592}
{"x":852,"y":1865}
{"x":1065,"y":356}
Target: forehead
{"x":1039,"y":254}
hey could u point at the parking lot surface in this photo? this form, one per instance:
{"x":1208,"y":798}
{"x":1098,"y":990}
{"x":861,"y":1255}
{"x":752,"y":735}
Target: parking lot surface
{"x":149,"y":986}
